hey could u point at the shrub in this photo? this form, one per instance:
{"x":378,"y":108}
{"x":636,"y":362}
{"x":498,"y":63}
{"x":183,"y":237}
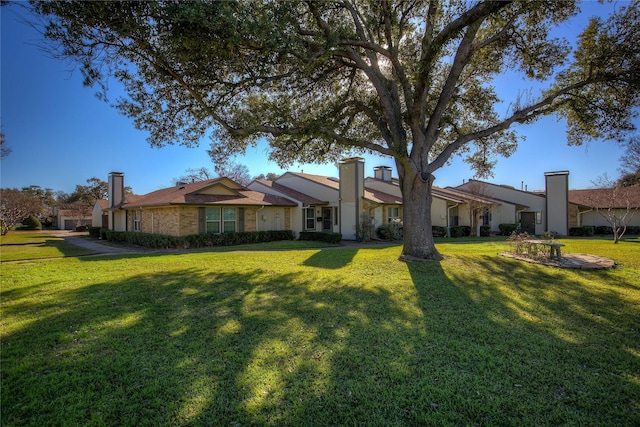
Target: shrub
{"x":506,"y":229}
{"x":94,"y":232}
{"x":32,"y":223}
{"x":586,"y":231}
{"x":602,"y":230}
{"x":460,"y":231}
{"x":438,"y":231}
{"x":633,"y":229}
{"x":82,"y":228}
{"x":163,"y":241}
{"x":390,"y":231}
{"x":321,"y":236}
{"x":485,"y":230}
{"x":366,"y":229}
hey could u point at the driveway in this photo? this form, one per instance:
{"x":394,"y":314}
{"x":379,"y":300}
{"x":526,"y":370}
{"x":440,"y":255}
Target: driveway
{"x":77,"y":239}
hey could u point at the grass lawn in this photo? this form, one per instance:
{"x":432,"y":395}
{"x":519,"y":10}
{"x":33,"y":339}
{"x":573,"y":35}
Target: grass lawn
{"x":23,"y":245}
{"x":322,"y":337}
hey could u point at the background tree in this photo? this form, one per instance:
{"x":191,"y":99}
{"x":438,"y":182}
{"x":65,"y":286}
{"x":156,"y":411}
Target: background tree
{"x":47,"y":199}
{"x":5,"y":150}
{"x":88,"y":194}
{"x":614,"y":203}
{"x":235,"y":171}
{"x":15,"y":206}
{"x":411,"y":80}
{"x":197,"y":175}
{"x":270,"y":176}
{"x":477,"y":205}
{"x":631,"y":164}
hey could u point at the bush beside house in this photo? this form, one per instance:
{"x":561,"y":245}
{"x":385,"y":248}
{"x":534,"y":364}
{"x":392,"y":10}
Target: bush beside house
{"x":163,"y":241}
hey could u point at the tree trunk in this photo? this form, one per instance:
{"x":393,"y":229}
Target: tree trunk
{"x":416,"y":218}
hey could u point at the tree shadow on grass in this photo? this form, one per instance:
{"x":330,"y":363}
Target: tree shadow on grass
{"x":196,"y":347}
{"x":207,"y":346}
{"x":532,"y":343}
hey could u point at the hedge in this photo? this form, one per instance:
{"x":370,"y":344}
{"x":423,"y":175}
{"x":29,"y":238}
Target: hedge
{"x":163,"y":241}
{"x":485,"y":230}
{"x":602,"y":230}
{"x":94,"y":232}
{"x":586,"y":231}
{"x":321,"y":236}
{"x":460,"y":231}
{"x":507,"y":229}
{"x":438,"y":231}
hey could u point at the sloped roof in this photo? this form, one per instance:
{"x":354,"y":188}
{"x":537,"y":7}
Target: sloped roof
{"x":378,"y":196}
{"x":290,"y":192}
{"x":230,"y":193}
{"x":600,"y":198}
{"x":327,"y":181}
{"x":466,"y":196}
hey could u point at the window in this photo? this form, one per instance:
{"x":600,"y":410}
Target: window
{"x":335,"y":215}
{"x":137,"y":220}
{"x":393,"y":214}
{"x":310,"y":218}
{"x":212,"y":220}
{"x":486,"y":216}
{"x":229,"y":223}
{"x":453,"y":216}
{"x":220,"y":220}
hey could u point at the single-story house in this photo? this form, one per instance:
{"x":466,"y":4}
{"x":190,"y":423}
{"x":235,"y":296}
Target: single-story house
{"x":99,"y":214}
{"x":587,"y":205}
{"x":214,"y":206}
{"x":306,"y":202}
{"x":71,"y":216}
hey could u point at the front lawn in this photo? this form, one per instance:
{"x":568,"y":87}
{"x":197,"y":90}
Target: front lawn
{"x":340,"y":336}
{"x":24,"y":245}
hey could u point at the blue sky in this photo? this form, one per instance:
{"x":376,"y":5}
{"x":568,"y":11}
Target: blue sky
{"x":61,"y":134}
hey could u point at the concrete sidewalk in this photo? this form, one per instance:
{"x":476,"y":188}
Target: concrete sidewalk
{"x":77,"y":239}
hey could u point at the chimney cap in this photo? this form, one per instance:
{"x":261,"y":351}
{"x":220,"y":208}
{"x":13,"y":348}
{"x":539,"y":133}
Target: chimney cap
{"x":352,"y":159}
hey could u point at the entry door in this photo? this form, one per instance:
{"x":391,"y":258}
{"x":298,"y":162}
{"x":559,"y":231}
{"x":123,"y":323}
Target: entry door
{"x":528,"y":222}
{"x":326,"y":219}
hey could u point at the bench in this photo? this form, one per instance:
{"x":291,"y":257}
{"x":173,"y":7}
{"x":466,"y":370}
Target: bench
{"x":554,"y":248}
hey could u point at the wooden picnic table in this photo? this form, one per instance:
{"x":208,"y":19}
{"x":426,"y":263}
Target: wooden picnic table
{"x":554,"y":248}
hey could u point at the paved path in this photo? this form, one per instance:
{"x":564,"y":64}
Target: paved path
{"x":575,"y":261}
{"x":75,"y":238}
{"x":96,"y":246}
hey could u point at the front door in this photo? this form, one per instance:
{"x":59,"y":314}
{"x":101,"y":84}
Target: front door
{"x":326,"y":219}
{"x":528,"y":222}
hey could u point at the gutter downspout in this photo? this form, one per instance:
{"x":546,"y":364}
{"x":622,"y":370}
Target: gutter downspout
{"x":448,"y":216}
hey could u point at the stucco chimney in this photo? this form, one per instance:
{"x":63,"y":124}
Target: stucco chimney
{"x":557,"y":200}
{"x":351,"y":196}
{"x":116,"y":188}
{"x":382,"y":172}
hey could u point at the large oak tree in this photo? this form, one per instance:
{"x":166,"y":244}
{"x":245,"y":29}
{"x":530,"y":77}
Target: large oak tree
{"x":412,"y":80}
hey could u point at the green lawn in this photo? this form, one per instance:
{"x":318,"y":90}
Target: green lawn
{"x":23,"y":245}
{"x":322,"y":337}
